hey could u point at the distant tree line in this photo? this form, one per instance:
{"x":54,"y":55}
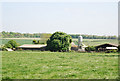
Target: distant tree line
{"x":93,"y":36}
{"x":24,"y":35}
{"x":47,"y":35}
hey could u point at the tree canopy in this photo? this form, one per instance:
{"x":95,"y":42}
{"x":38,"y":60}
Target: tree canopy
{"x":11,"y":44}
{"x":59,"y":41}
{"x":47,"y":35}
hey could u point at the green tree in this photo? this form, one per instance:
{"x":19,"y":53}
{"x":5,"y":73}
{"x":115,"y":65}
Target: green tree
{"x":59,"y":41}
{"x":8,"y":45}
{"x":11,"y":44}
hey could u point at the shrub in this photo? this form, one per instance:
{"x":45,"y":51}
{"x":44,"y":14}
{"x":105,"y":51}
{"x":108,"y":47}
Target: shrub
{"x":34,"y":42}
{"x":59,"y":41}
{"x":3,"y":48}
{"x":90,"y":48}
{"x":111,"y":51}
{"x":38,"y":41}
{"x":72,"y":51}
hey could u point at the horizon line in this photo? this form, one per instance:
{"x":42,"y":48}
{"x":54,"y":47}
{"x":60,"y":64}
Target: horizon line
{"x":57,"y":31}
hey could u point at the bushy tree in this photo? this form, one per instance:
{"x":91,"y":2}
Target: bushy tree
{"x":11,"y":44}
{"x":2,"y":47}
{"x":37,"y":42}
{"x":8,"y":45}
{"x":59,"y":41}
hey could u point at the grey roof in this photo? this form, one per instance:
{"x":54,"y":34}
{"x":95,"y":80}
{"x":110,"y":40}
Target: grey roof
{"x":107,"y":44}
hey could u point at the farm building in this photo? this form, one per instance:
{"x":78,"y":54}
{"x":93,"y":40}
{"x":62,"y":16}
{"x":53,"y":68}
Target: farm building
{"x":32,"y":47}
{"x":107,"y":46}
{"x":9,"y":49}
{"x":42,"y":47}
{"x":75,"y":47}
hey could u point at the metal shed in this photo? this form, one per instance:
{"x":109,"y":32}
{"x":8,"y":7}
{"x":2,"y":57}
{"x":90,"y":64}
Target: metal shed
{"x":106,"y":46}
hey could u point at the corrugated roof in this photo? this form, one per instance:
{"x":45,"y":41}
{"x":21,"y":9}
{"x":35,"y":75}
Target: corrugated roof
{"x":31,"y":46}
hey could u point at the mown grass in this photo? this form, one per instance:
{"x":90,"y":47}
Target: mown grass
{"x":94,"y":42}
{"x":88,"y":42}
{"x":59,"y":65}
{"x":20,"y":41}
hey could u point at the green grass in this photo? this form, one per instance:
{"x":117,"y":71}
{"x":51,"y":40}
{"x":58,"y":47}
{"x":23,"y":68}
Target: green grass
{"x":94,"y":42}
{"x":20,"y":41}
{"x":88,"y":42}
{"x":59,"y":65}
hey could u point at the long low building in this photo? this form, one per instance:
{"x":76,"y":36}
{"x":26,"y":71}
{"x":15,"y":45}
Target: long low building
{"x":107,"y":46}
{"x":32,"y":47}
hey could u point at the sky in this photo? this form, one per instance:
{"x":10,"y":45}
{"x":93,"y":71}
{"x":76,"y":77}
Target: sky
{"x":93,"y":18}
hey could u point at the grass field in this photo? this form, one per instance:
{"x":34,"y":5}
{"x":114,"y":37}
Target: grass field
{"x":59,"y":65}
{"x":88,"y":42}
{"x":21,"y":41}
{"x":94,"y":42}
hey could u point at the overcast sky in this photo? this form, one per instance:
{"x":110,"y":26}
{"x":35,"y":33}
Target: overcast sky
{"x":93,"y":18}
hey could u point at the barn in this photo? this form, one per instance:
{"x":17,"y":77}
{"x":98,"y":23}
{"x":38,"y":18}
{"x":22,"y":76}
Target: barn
{"x":32,"y":47}
{"x":106,"y":46}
